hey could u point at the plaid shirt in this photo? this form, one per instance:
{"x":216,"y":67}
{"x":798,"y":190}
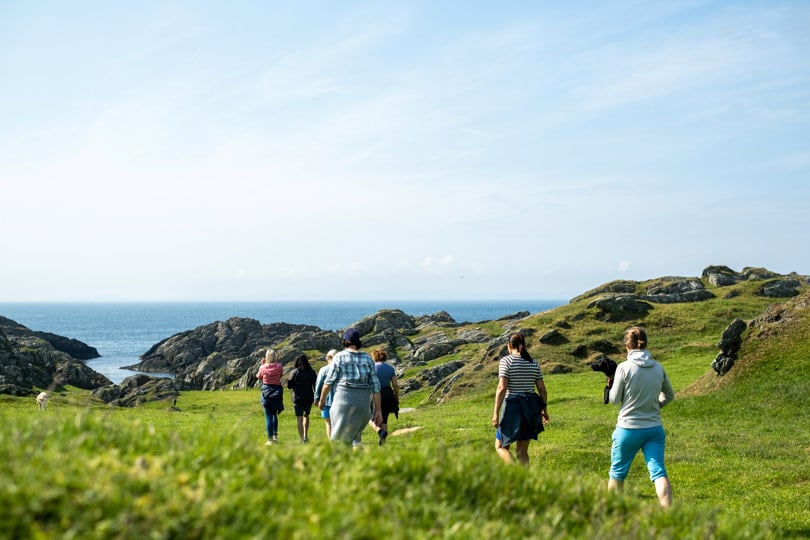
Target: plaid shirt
{"x":353,"y":369}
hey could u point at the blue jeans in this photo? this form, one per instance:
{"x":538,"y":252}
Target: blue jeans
{"x":627,"y":443}
{"x":272,"y":423}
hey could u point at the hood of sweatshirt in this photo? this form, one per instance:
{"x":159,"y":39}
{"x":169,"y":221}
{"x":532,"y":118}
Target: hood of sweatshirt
{"x":641,"y":357}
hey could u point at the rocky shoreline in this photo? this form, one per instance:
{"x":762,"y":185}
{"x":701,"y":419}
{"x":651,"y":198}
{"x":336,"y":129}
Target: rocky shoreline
{"x":226,"y":354}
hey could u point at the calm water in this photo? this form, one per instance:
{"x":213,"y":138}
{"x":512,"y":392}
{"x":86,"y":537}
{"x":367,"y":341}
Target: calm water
{"x":122,"y":332}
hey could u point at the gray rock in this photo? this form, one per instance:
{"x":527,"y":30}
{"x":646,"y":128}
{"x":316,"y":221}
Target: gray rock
{"x":434,"y":376}
{"x":138,"y":389}
{"x":721,"y":276}
{"x":757,"y":274}
{"x":434,"y":346}
{"x":729,"y":344}
{"x":780,"y":288}
{"x":73,"y":347}
{"x":28,"y":362}
{"x":553,"y":337}
{"x":619,"y":308}
{"x":618,"y":287}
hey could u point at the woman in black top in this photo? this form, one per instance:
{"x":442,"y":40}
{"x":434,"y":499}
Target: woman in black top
{"x":302,"y":383}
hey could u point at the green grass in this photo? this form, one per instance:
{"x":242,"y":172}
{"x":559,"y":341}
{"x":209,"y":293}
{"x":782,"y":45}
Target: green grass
{"x":203,"y":472}
{"x":737,"y":454}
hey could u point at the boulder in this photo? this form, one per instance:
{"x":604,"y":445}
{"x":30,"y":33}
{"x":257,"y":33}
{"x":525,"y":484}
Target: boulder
{"x":757,"y":274}
{"x":729,"y":344}
{"x":138,"y":389}
{"x":721,"y":276}
{"x":779,"y":288}
{"x":675,"y":290}
{"x":619,"y":308}
{"x":434,"y":346}
{"x":435,"y":375}
{"x":386,"y":319}
{"x":440,"y":318}
{"x":553,"y":337}
{"x":618,"y":287}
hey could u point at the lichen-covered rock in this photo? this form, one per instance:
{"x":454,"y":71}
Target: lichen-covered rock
{"x":780,"y":288}
{"x":28,"y":362}
{"x":619,"y":308}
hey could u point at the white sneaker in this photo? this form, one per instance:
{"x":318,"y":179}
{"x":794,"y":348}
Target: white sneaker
{"x":268,"y":443}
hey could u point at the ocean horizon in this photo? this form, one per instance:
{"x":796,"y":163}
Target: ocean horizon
{"x":123,"y":331}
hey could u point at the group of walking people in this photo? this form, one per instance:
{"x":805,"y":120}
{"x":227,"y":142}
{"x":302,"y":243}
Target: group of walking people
{"x":640,"y":386}
{"x":353,"y":390}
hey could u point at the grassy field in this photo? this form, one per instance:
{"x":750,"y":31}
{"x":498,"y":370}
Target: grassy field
{"x":738,"y":456}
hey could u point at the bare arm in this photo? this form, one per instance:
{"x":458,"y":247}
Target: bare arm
{"x":378,"y":417}
{"x":541,"y":389}
{"x":500,"y":393}
{"x":324,"y":392}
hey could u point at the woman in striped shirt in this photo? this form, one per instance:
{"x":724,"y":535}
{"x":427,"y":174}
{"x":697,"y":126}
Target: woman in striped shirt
{"x":524,"y":412}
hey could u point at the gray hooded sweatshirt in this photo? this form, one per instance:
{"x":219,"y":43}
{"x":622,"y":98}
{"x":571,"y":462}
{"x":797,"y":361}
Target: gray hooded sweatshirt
{"x":641,"y":387}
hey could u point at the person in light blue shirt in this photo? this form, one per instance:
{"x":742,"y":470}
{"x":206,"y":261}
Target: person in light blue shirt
{"x":328,"y":400}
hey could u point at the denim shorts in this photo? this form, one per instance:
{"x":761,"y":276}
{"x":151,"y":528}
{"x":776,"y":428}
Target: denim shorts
{"x":627,"y":443}
{"x":325,"y":411}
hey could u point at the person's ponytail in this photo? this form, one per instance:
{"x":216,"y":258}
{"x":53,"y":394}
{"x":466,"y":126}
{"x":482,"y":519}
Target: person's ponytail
{"x":518,"y":342}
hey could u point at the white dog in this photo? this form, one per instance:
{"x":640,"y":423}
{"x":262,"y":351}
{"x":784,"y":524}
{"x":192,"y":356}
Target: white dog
{"x":42,"y":400}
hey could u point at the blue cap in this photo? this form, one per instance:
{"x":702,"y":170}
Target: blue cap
{"x":351,"y":335}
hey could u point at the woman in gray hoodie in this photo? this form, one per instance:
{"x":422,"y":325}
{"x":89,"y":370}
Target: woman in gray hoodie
{"x":641,"y":387}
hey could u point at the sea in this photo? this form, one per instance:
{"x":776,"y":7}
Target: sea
{"x":122,"y":332}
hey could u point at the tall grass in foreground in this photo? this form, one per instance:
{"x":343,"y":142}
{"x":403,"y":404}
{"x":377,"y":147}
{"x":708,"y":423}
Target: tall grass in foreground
{"x":93,"y":474}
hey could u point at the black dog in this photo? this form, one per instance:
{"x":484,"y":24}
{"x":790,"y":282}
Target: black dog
{"x":608,"y":367}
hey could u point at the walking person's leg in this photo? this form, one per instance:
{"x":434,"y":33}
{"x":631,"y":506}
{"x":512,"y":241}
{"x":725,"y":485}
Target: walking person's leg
{"x":626,"y":444}
{"x":306,"y":424}
{"x":522,"y":452}
{"x":274,"y":425}
{"x":268,"y":423}
{"x":653,"y":450}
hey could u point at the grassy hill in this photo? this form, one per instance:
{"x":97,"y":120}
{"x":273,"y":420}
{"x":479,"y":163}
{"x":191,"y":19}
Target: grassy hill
{"x":738,"y":450}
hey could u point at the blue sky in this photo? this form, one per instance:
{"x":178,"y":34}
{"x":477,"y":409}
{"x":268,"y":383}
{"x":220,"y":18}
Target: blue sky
{"x":409,"y":150}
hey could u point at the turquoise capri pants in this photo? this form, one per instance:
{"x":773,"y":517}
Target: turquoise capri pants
{"x":627,"y":443}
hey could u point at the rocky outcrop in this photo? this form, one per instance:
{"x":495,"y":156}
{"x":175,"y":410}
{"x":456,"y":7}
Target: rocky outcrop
{"x":676,"y":290}
{"x":553,"y":337}
{"x":780,"y":288}
{"x":73,"y":347}
{"x":775,"y":285}
{"x":28,"y":362}
{"x":665,"y":290}
{"x":619,"y":308}
{"x":227,"y":354}
{"x":433,"y":346}
{"x":721,"y":276}
{"x":622,"y":287}
{"x":215,"y":355}
{"x":138,"y":389}
{"x":729,"y":345}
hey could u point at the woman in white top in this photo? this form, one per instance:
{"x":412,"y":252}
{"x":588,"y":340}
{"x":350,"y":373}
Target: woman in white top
{"x":641,"y":387}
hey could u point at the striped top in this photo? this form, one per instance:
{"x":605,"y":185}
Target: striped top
{"x":520,"y":374}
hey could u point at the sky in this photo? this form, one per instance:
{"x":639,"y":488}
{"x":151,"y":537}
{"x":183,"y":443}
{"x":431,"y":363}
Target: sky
{"x":422,"y":150}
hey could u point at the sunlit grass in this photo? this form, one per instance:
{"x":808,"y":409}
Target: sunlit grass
{"x":738,"y":455}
